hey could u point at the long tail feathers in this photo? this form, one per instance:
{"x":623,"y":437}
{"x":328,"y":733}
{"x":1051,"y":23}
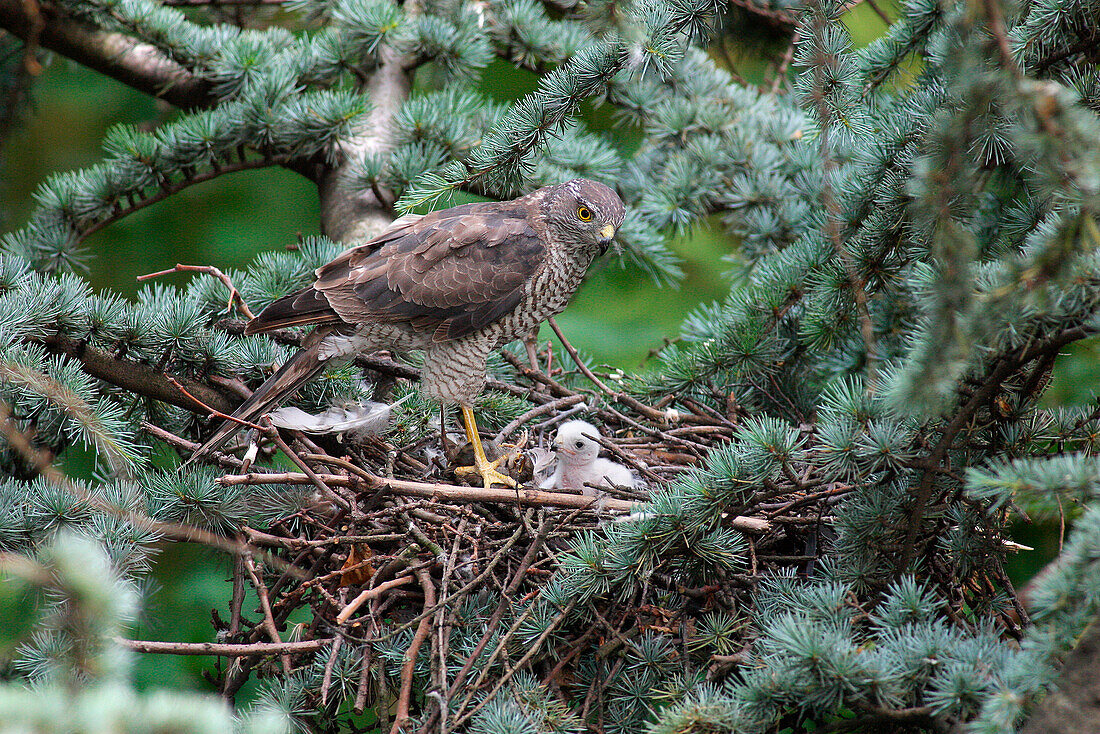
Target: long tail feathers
{"x":303,"y":366}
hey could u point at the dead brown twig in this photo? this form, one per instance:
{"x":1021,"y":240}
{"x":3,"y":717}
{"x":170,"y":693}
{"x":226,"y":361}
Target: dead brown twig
{"x":234,"y":294}
{"x":419,"y":636}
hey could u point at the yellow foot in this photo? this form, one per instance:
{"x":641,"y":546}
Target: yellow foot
{"x":488,"y":471}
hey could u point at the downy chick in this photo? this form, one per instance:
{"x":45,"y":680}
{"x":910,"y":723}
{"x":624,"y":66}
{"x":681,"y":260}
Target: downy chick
{"x":578,"y":461}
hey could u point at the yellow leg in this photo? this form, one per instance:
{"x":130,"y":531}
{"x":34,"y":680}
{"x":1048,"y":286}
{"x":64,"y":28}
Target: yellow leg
{"x":482,"y":466}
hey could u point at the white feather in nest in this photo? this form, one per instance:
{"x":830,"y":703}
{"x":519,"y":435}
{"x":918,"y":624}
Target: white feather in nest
{"x":354,"y":419}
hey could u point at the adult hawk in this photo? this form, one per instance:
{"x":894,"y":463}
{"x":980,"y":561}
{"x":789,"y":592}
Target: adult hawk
{"x":456,"y":283}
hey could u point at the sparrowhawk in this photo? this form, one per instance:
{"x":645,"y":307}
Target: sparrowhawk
{"x":456,"y":283}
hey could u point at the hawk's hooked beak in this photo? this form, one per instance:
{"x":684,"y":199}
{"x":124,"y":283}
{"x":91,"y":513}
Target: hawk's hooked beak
{"x":606,"y":235}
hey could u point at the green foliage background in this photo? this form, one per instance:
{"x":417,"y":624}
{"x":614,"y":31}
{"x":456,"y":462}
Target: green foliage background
{"x":617,"y":319}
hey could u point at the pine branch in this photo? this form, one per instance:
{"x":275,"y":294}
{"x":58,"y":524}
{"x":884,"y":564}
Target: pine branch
{"x":139,"y":378}
{"x":138,"y":65}
{"x":170,"y":189}
{"x":990,"y":386}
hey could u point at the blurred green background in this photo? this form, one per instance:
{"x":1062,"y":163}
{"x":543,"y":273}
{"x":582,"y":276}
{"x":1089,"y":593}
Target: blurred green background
{"x":617,"y":319}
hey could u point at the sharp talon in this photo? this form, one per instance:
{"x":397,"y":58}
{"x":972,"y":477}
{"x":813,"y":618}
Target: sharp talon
{"x":482,"y":466}
{"x":488,"y":472}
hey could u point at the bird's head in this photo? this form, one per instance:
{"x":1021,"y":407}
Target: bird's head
{"x":574,"y":443}
{"x":589,"y":212}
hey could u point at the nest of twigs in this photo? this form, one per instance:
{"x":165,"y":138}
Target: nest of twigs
{"x":390,"y":542}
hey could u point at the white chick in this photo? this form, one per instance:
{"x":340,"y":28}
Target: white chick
{"x":578,"y":461}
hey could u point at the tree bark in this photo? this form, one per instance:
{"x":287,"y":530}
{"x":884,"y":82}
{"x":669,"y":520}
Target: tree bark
{"x":1073,"y":707}
{"x":353,"y":216}
{"x":348,"y":215}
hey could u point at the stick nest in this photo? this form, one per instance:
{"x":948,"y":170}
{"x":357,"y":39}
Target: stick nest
{"x":418,"y":587}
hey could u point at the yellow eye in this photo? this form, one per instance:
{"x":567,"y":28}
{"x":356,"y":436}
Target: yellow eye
{"x":584,"y":214}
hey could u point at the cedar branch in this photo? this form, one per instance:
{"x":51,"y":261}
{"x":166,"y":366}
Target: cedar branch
{"x":137,"y":377}
{"x":138,"y":65}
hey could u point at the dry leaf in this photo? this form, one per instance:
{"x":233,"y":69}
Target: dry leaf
{"x":353,"y":573}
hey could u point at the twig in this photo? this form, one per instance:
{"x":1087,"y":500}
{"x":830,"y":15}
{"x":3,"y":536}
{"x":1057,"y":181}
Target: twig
{"x":880,"y":13}
{"x":368,"y":594}
{"x":220,"y":3}
{"x":776,"y":17}
{"x":265,"y":605}
{"x":785,"y":62}
{"x":627,"y":457}
{"x":27,"y":70}
{"x":169,"y":189}
{"x":234,"y":294}
{"x":545,"y":527}
{"x":134,"y":376}
{"x":438,"y":492}
{"x":313,"y":477}
{"x":473,"y":584}
{"x":993,"y":382}
{"x":554,"y":406}
{"x":421,"y":634}
{"x":173,"y":531}
{"x":212,"y":412}
{"x":558,"y":619}
{"x":646,"y":410}
{"x":226,"y":460}
{"x":222,"y":649}
{"x":1004,"y":47}
{"x":326,"y":678}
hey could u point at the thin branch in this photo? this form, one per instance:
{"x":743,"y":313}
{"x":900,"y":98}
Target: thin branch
{"x":455,"y":493}
{"x":265,"y":606}
{"x":630,"y":400}
{"x":554,"y":406}
{"x":438,"y":492}
{"x":422,"y":631}
{"x":785,"y":63}
{"x":1085,"y":44}
{"x":24,"y":72}
{"x":220,"y":3}
{"x":992,"y":383}
{"x":317,"y":481}
{"x":222,"y":649}
{"x":997,"y":28}
{"x":368,"y":594}
{"x":774,"y":17}
{"x":234,"y":294}
{"x":174,"y":188}
{"x":213,"y":412}
{"x":880,"y":13}
{"x":38,"y":459}
{"x":534,"y":648}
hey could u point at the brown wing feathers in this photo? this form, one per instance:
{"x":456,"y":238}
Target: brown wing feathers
{"x":448,"y":274}
{"x":305,"y":307}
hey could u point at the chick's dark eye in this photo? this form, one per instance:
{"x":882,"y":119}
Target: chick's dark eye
{"x":584,"y":214}
{"x":579,"y":444}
